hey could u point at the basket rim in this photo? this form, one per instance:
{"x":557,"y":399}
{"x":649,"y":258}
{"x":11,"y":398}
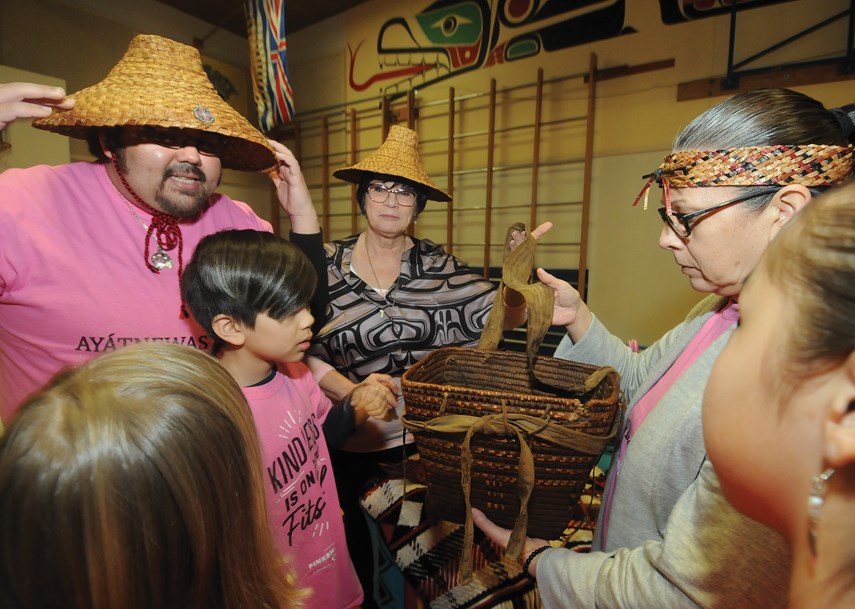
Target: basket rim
{"x":414,"y":385}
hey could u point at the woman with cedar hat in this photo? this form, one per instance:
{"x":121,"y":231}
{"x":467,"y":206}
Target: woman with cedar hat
{"x":392,"y":299}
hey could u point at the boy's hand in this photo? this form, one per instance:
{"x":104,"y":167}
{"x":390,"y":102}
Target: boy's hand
{"x":375,"y":397}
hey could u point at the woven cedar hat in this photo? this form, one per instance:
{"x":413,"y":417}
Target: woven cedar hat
{"x":399,"y":157}
{"x":160,"y":82}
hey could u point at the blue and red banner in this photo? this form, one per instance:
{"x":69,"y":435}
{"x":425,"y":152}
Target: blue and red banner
{"x":270,"y":79}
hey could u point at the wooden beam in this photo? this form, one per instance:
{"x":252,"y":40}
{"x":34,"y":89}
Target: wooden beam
{"x":627,"y":70}
{"x":535,"y":157}
{"x":586,"y":180}
{"x":411,"y":124}
{"x":782,"y":76}
{"x":354,"y":144}
{"x":488,"y":200}
{"x":325,"y":174}
{"x":449,"y":211}
{"x":411,"y":109}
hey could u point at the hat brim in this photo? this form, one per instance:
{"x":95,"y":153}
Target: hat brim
{"x":239,"y":154}
{"x":355,"y":175}
{"x":161,"y":83}
{"x":397,"y":156}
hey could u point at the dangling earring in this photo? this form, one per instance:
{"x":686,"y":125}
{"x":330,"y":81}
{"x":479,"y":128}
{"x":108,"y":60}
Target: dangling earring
{"x":816,"y":500}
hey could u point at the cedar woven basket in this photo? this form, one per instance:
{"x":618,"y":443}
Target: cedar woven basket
{"x":476,"y":383}
{"x":512,"y":434}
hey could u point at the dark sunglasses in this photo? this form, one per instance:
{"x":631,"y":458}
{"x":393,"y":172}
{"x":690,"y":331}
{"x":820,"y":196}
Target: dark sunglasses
{"x":208,"y":144}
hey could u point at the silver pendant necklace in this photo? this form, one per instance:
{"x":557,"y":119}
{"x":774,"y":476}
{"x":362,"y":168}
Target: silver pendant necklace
{"x":160,"y":259}
{"x":377,"y":281}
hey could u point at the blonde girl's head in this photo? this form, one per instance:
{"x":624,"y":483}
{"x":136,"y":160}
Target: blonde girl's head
{"x":134,"y":481}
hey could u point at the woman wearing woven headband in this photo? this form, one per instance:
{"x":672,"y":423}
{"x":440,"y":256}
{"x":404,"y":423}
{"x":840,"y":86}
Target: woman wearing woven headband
{"x":781,"y":397}
{"x":392,"y":299}
{"x":133,"y":481}
{"x":665,"y":536}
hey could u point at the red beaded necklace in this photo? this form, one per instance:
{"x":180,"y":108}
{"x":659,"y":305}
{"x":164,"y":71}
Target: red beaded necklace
{"x":166,"y":231}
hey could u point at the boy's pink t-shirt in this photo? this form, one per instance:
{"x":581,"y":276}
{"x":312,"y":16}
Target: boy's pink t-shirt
{"x":73,"y":279}
{"x":302,"y":502}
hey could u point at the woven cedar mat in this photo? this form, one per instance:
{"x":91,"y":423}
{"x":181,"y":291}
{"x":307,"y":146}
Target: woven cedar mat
{"x":429,"y":553}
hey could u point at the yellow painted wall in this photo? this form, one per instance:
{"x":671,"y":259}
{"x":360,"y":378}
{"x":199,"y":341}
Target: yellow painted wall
{"x":633,"y":285}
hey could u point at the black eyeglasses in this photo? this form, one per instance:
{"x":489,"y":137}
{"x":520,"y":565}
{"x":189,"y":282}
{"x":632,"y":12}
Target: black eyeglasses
{"x":379,"y":193}
{"x":208,"y":144}
{"x":682,"y":224}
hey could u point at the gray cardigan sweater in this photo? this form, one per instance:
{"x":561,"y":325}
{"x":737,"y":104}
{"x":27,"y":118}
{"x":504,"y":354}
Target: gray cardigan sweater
{"x":673,"y":539}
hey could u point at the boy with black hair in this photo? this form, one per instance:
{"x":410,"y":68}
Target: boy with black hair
{"x":250,"y":291}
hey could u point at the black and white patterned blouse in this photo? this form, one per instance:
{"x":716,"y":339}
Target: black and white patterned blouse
{"x":437,"y":301}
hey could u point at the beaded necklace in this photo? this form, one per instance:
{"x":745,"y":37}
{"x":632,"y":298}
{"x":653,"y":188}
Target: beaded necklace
{"x":164,"y":228}
{"x":166,"y":231}
{"x":391,"y":291}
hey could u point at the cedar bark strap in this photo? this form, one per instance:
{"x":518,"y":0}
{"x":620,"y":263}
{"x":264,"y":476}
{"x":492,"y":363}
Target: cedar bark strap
{"x":495,"y":424}
{"x":516,"y":274}
{"x":542,"y":428}
{"x":539,"y":300}
{"x":521,"y":426}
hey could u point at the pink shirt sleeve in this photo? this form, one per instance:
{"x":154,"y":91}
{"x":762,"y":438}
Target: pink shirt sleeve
{"x":318,"y":367}
{"x":300,"y":373}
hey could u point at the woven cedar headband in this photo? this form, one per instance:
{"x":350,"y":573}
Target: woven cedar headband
{"x":160,"y":82}
{"x":809,"y":165}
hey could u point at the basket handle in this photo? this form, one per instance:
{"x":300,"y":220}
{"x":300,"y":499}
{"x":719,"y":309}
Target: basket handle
{"x":516,"y":274}
{"x":521,"y":426}
{"x":493,"y":424}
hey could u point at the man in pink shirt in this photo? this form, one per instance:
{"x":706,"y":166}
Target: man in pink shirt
{"x":91,"y":253}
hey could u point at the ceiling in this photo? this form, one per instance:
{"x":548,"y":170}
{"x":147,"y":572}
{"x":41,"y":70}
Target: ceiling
{"x":229,"y":15}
